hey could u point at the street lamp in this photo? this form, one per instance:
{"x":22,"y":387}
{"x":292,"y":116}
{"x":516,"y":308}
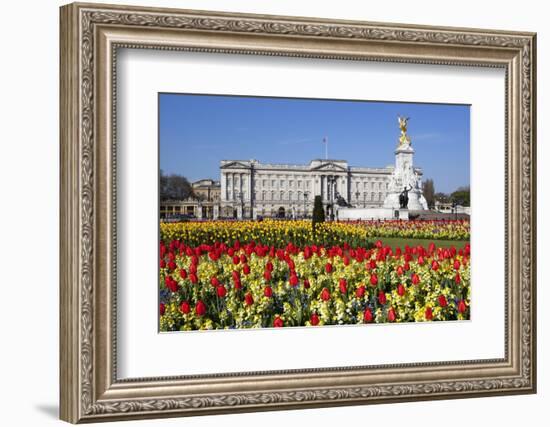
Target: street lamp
{"x":305,"y":204}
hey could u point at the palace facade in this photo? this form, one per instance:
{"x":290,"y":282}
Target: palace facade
{"x":250,"y":189}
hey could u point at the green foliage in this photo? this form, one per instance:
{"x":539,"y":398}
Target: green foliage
{"x":318,"y":212}
{"x":461,"y":196}
{"x":428,"y":190}
{"x":174,"y":187}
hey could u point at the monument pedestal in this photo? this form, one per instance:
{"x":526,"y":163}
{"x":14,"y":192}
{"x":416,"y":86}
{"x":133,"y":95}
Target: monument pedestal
{"x":402,"y":214}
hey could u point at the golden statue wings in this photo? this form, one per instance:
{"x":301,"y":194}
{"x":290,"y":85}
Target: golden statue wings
{"x":403,"y":138}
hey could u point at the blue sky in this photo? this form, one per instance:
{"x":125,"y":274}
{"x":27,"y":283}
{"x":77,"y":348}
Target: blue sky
{"x":197,"y":131}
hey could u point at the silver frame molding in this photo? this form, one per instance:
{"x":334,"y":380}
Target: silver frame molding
{"x":90,"y":37}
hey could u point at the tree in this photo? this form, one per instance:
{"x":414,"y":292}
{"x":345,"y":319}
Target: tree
{"x":461,"y":196}
{"x":174,"y":187}
{"x":318,"y":212}
{"x":429,"y":192}
{"x":442,"y":198}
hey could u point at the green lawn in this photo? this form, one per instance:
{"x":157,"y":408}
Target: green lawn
{"x":401,"y":242}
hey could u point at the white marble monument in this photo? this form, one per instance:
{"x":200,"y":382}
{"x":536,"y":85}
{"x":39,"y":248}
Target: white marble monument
{"x":405,"y":180}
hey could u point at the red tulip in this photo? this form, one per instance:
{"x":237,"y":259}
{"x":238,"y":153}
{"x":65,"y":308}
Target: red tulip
{"x":401,"y":290}
{"x":421,"y":260}
{"x":415,"y":279}
{"x":399,"y":271}
{"x":325,"y":294}
{"x":171,"y":283}
{"x":200,"y":308}
{"x":185,"y":307}
{"x":373,"y":279}
{"x":248,"y":299}
{"x":346,"y":261}
{"x":267,"y":275}
{"x":246,"y":269}
{"x":343,"y":285}
{"x":328,"y":267}
{"x":171,"y":265}
{"x":278,"y":322}
{"x":306,"y":284}
{"x":162,"y":263}
{"x":382,"y":297}
{"x":461,"y":306}
{"x":360,"y":292}
{"x":214,"y":281}
{"x":293,"y":280}
{"x":193,"y":278}
{"x":162,"y":309}
{"x":235,"y":259}
{"x":269,"y":266}
{"x":183,"y":273}
{"x":391,"y":315}
{"x":367,"y":316}
{"x":268,"y":292}
{"x":221,"y":291}
{"x":435,"y":265}
{"x":457,"y":277}
{"x":456,"y":264}
{"x":428,"y":314}
{"x":314,"y":320}
{"x":442,"y":301}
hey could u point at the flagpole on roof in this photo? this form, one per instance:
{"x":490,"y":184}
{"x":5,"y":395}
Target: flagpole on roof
{"x":325,"y":140}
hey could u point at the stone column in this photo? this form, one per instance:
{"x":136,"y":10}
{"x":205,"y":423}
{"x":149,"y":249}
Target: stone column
{"x":223,"y":186}
{"x":241,"y":179}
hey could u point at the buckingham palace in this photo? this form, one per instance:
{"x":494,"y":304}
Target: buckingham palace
{"x":250,"y":189}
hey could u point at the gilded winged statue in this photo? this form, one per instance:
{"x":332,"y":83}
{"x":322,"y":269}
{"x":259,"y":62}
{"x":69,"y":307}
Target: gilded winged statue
{"x":403,"y":138}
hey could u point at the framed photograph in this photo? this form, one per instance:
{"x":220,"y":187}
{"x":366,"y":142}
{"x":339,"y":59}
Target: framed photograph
{"x":267,"y":212}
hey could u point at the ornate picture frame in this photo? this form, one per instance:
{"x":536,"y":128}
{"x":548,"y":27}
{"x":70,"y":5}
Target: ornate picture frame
{"x":90,"y":37}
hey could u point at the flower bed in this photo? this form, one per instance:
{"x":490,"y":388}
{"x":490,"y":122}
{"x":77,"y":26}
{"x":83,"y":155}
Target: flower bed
{"x":437,"y":229}
{"x":210,"y":280}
